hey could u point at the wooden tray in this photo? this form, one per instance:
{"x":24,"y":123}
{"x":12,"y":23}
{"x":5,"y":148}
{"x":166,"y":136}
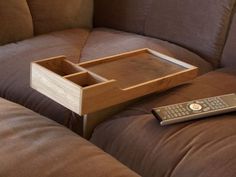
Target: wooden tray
{"x":91,"y":86}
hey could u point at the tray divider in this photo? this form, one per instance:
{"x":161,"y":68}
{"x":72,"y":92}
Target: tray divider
{"x":111,"y":58}
{"x":80,"y":78}
{"x":92,"y":73}
{"x":68,"y":66}
{"x":74,"y":75}
{"x":98,"y":77}
{"x":190,"y":75}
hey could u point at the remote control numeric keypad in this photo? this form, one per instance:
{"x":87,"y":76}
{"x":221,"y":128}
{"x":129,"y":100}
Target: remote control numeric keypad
{"x":195,"y":109}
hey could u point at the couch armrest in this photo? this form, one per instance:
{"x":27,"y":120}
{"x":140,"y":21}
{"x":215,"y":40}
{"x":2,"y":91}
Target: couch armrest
{"x":32,"y":145}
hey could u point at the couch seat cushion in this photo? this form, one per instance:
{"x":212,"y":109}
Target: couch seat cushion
{"x":104,"y":42}
{"x":205,"y":147}
{"x":32,"y":145}
{"x":15,"y":21}
{"x":15,"y":62}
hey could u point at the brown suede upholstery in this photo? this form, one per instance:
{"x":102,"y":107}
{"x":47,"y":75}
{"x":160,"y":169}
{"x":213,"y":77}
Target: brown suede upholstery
{"x":127,"y":15}
{"x":15,"y":70}
{"x":192,"y":31}
{"x":33,"y":146}
{"x":105,"y":42}
{"x":15,"y":63}
{"x":199,"y":148}
{"x":15,"y":21}
{"x":200,"y":26}
{"x":57,"y":15}
{"x":229,"y":54}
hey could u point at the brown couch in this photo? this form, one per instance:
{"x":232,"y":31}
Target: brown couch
{"x":196,"y":32}
{"x":34,"y":146}
{"x":197,"y":148}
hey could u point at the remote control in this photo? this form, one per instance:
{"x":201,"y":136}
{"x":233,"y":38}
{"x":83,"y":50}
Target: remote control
{"x":195,"y":109}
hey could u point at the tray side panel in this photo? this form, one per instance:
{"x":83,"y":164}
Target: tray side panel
{"x":57,"y":88}
{"x":95,"y":99}
{"x":112,"y":58}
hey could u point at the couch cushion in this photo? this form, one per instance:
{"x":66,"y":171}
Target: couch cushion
{"x":57,"y":15}
{"x":229,"y":54}
{"x":104,"y":42}
{"x":127,"y":15}
{"x":32,"y":145}
{"x":15,"y":62}
{"x":15,"y":21}
{"x":205,"y":147}
{"x":200,"y":26}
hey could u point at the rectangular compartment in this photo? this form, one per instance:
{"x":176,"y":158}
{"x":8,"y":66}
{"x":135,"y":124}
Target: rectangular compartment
{"x":60,"y":66}
{"x":134,"y":69}
{"x":85,"y":79}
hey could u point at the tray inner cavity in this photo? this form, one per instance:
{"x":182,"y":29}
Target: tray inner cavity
{"x":61,"y":66}
{"x":85,"y":79}
{"x":135,"y":69}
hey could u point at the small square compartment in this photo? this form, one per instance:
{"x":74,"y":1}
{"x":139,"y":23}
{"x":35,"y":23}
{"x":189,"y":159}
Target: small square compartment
{"x":60,"y":66}
{"x":85,"y":79}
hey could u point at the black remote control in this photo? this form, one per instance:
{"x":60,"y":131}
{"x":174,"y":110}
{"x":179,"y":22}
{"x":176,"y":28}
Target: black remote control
{"x":195,"y":109}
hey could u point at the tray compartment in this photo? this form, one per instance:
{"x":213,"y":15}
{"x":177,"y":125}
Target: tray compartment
{"x":134,"y":69}
{"x":60,"y":66}
{"x":85,"y":79}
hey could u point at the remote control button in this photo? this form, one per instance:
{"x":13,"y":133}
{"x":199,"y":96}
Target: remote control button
{"x":206,"y":109}
{"x":195,"y":107}
{"x":199,"y":102}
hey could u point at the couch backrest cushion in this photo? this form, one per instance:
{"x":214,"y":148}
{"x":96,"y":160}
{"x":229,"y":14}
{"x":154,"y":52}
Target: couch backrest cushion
{"x":229,"y":54}
{"x":15,"y":21}
{"x":127,"y":15}
{"x":54,"y":15}
{"x":199,"y":26}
